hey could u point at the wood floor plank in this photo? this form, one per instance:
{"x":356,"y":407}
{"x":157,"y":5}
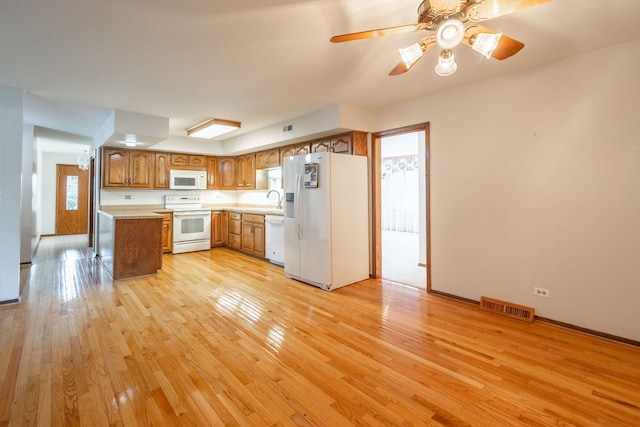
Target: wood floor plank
{"x":219,"y":338}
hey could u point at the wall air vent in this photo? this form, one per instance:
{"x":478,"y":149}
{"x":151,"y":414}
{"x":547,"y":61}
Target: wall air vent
{"x":515,"y":311}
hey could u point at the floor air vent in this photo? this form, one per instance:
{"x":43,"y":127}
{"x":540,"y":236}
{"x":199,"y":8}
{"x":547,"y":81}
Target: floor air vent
{"x":508,"y":309}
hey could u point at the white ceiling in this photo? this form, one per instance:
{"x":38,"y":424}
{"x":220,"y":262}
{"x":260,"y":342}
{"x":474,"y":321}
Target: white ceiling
{"x":260,"y":62}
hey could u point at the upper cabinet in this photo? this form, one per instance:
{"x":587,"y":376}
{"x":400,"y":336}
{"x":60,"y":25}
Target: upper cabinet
{"x":213,"y":181}
{"x":188,"y":160}
{"x":348,"y":143}
{"x":268,"y":159}
{"x":161,"y":170}
{"x":294,"y":150}
{"x":226,"y":173}
{"x":246,"y":172}
{"x":340,"y":144}
{"x":127,"y":168}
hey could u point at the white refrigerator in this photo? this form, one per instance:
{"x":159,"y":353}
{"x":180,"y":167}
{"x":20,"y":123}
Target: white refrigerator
{"x":326,"y":219}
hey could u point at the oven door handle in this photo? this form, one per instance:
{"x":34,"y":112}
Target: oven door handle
{"x":201,"y":213}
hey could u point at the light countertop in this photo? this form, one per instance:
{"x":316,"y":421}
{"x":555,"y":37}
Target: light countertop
{"x":152,"y":211}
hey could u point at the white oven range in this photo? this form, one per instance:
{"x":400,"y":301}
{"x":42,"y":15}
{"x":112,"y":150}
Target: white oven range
{"x":191,"y":223}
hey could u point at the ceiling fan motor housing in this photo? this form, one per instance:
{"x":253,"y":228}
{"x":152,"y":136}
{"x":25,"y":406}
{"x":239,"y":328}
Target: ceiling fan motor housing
{"x":442,"y":7}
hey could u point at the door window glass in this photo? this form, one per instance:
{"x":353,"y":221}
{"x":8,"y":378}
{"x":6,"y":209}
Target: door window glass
{"x":72,"y":193}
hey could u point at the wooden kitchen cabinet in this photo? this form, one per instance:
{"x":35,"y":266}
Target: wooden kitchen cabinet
{"x":167,"y":232}
{"x":218,"y":228}
{"x":294,"y":150}
{"x":234,"y":235}
{"x":213,"y":181}
{"x":253,"y":234}
{"x":161,"y":170}
{"x":340,"y":144}
{"x":123,"y":168}
{"x":268,"y":159}
{"x":359,"y":144}
{"x":226,"y":173}
{"x":196,"y":161}
{"x":246,"y":172}
{"x":348,"y":143}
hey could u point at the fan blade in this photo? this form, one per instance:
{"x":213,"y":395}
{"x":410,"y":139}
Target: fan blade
{"x":426,"y":44}
{"x":506,"y":48}
{"x":493,"y":8}
{"x":401,"y":68}
{"x":377,"y":33}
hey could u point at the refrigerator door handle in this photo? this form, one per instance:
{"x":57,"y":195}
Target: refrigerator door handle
{"x":297,"y":205}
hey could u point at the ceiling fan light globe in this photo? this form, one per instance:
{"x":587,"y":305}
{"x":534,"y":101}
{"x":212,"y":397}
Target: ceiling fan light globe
{"x":446,"y":63}
{"x":486,"y":43}
{"x":411,"y":54}
{"x":450,"y":33}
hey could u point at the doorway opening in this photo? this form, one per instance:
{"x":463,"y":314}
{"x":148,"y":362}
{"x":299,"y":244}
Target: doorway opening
{"x":400,"y":219}
{"x":403,"y":225}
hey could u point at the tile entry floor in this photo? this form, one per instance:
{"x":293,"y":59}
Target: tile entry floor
{"x":400,"y":256}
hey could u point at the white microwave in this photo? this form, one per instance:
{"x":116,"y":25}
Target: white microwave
{"x":187,"y":180}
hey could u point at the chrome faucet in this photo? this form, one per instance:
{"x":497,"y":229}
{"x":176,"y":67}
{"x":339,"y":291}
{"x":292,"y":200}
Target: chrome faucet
{"x":279,"y":206}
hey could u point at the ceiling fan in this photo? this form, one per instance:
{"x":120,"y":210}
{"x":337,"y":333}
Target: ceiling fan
{"x":452,"y":22}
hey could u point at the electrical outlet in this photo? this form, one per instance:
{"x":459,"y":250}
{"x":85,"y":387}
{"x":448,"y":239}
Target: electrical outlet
{"x":127,"y":196}
{"x":541,"y":292}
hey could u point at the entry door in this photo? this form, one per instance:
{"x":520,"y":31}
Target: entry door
{"x":72,"y":214}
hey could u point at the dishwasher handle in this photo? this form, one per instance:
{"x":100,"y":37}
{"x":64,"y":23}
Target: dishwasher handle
{"x":277,"y":220}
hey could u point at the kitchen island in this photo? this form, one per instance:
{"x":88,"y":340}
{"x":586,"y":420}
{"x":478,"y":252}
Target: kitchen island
{"x":129,"y":242}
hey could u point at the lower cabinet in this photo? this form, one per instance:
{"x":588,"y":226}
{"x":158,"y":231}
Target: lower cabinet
{"x":167,"y":232}
{"x":253,"y":234}
{"x":246,"y":233}
{"x":218,"y":228}
{"x":234,"y":235}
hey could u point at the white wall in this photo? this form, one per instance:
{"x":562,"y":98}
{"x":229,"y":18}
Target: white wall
{"x":27,"y":231}
{"x":535,"y":182}
{"x":10,"y":169}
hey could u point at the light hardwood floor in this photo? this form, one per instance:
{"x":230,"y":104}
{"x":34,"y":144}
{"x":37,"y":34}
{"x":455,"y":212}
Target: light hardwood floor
{"x":218,"y":338}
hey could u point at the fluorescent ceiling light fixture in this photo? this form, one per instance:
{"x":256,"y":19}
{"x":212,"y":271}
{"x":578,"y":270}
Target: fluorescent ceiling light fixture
{"x":411,"y":54}
{"x":446,"y":63}
{"x":450,"y":33}
{"x":212,"y":128}
{"x":486,"y":43}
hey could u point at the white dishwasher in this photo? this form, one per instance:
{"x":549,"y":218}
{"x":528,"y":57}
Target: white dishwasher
{"x":274,"y":239}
